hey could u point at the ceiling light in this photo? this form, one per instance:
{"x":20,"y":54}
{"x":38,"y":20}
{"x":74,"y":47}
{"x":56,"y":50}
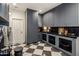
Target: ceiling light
{"x":14,"y":4}
{"x":40,"y":11}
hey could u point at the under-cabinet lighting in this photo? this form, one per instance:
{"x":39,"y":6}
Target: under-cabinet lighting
{"x":45,"y":27}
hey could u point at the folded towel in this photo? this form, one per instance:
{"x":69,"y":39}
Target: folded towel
{"x":5,"y":34}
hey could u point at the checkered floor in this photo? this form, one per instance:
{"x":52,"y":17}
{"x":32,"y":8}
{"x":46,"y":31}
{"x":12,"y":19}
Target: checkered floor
{"x":40,"y":49}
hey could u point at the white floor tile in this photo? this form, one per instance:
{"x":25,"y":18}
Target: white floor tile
{"x":22,"y":45}
{"x":56,"y":54}
{"x":33,"y":46}
{"x":47,"y":48}
{"x":27,"y":54}
{"x":38,"y":52}
{"x":25,"y":49}
{"x":41,"y":44}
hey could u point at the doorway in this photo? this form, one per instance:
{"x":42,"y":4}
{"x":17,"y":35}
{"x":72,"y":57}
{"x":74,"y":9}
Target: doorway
{"x":18,"y":31}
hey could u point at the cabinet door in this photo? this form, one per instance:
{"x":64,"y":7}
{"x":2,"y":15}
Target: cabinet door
{"x":48,"y":19}
{"x":4,"y":11}
{"x":65,"y":44}
{"x":78,"y":14}
{"x":31,"y":26}
{"x":44,"y":37}
{"x":66,"y":15}
{"x":63,"y":15}
{"x":6,"y":14}
{"x":51,"y":39}
{"x":59,"y":16}
{"x":40,"y":21}
{"x":71,"y":15}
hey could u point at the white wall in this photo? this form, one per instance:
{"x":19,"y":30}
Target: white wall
{"x":17,"y":15}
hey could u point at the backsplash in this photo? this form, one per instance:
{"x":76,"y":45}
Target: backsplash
{"x":74,"y":30}
{"x":69,"y":30}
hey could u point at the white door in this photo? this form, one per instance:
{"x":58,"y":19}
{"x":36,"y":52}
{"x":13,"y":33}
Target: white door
{"x":18,"y":31}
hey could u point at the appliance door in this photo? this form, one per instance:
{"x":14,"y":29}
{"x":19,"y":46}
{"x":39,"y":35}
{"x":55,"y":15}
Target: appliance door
{"x":44,"y":36}
{"x":51,"y":39}
{"x":65,"y":44}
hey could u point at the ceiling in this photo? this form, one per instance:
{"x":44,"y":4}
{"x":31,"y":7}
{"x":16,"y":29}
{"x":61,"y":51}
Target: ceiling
{"x":40,"y":7}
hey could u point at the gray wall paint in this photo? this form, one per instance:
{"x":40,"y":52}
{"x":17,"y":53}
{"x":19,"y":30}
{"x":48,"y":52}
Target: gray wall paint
{"x":63,"y":15}
{"x":32,"y":26}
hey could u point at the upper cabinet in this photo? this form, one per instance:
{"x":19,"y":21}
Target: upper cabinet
{"x":63,"y":15}
{"x":70,"y":14}
{"x":40,"y":24}
{"x":48,"y":19}
{"x":78,"y":14}
{"x":4,"y":11}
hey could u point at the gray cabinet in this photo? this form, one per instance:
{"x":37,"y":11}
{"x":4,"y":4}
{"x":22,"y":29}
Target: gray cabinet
{"x":71,"y":15}
{"x":61,"y":41}
{"x":67,"y":15}
{"x":78,"y":14}
{"x":31,"y":26}
{"x":48,"y":19}
{"x":58,"y":20}
{"x":4,"y":11}
{"x":63,"y":15}
{"x":40,"y":20}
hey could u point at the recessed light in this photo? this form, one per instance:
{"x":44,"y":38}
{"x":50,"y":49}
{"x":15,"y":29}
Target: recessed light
{"x":14,"y":4}
{"x":39,"y":11}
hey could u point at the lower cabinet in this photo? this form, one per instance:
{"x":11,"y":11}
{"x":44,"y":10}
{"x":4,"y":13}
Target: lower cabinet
{"x":44,"y":36}
{"x":51,"y":39}
{"x":65,"y":44}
